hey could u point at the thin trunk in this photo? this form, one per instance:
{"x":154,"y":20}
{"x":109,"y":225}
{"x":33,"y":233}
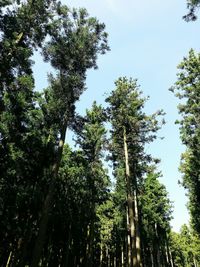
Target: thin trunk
{"x":152,"y":258}
{"x":137,"y":230}
{"x":9,"y":258}
{"x":128,"y":241}
{"x":157,"y":246}
{"x":114,"y":261}
{"x":90,"y":244}
{"x":107,"y":260}
{"x":122,"y":256}
{"x":167,"y":256}
{"x":171,"y":259}
{"x":40,"y":240}
{"x":101,"y":254}
{"x":130,"y":202}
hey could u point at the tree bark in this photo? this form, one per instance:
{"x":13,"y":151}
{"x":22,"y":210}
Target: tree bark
{"x":157,"y":246}
{"x":137,"y":230}
{"x":40,"y":240}
{"x":131,"y":203}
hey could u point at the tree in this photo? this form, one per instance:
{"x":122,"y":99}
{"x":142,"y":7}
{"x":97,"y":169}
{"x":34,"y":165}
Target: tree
{"x":131,"y":130}
{"x":187,"y":89}
{"x":91,"y":138}
{"x":185,"y":247}
{"x":33,"y":126}
{"x":22,"y":135}
{"x":75,"y":41}
{"x":156,"y":212}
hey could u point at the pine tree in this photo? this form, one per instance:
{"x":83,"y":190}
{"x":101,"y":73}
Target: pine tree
{"x":131,"y":130}
{"x":91,"y":140}
{"x":156,"y":212}
{"x":187,"y":89}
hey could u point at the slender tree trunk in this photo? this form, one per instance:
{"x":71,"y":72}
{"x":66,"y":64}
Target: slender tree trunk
{"x":40,"y":240}
{"x":129,"y":253}
{"x":171,"y":259}
{"x":122,"y":256}
{"x":90,"y":244}
{"x":9,"y":259}
{"x":168,"y":256}
{"x":157,"y":246}
{"x":101,"y":254}
{"x":138,"y":239}
{"x":152,"y":258}
{"x":130,"y":202}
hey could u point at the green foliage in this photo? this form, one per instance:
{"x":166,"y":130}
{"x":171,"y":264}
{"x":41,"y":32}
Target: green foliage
{"x":32,"y":123}
{"x":185,"y":247}
{"x":132,"y":127}
{"x":57,"y":207}
{"x":187,"y":89}
{"x":156,"y":213}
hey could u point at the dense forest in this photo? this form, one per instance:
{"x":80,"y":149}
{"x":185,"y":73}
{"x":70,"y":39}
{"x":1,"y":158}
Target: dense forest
{"x":101,"y":202}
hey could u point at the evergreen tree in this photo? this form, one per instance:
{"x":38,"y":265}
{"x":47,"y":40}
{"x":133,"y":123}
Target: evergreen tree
{"x":91,"y":140}
{"x":155,"y":217}
{"x":34,"y":126}
{"x":131,"y":130}
{"x":187,"y":89}
{"x":185,"y":247}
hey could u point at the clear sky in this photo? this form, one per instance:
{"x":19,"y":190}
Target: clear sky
{"x":147,"y":39}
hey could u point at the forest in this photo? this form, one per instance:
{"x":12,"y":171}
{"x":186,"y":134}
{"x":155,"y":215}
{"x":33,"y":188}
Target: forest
{"x":101,"y":202}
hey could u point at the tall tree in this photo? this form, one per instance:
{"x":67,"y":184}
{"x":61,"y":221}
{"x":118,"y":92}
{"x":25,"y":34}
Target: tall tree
{"x":91,"y":140}
{"x":156,"y":212}
{"x":75,"y":41}
{"x":131,"y":130}
{"x":187,"y":89}
{"x":32,"y":126}
{"x":22,"y":28}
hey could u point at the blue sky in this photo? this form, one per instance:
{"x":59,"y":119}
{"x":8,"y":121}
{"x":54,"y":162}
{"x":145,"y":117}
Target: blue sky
{"x":147,"y":39}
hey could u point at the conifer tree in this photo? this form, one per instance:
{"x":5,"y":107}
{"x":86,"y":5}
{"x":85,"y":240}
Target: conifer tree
{"x":187,"y":89}
{"x":131,"y":130}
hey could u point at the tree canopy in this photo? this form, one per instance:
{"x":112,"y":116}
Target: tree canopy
{"x":101,"y":201}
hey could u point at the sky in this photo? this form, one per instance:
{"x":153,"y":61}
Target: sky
{"x":148,"y":39}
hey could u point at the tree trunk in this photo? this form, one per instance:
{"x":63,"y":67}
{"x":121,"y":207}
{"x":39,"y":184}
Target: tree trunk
{"x":40,"y":240}
{"x":157,"y":246}
{"x":101,"y":254}
{"x":171,"y":259}
{"x":9,"y":258}
{"x":129,"y":253}
{"x":122,"y":257}
{"x":90,"y":244}
{"x":152,"y":258}
{"x":130,"y":202}
{"x":138,"y":239}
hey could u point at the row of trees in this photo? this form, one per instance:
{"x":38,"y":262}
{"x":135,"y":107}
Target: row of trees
{"x":58,"y":205}
{"x":185,"y":247}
